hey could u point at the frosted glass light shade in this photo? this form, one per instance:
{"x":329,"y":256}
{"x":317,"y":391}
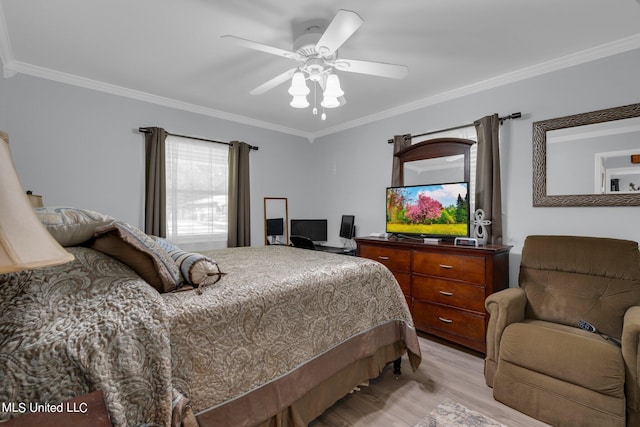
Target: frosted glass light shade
{"x":330,"y":102}
{"x":333,"y":89}
{"x":24,"y":242}
{"x":299,"y":102}
{"x":298,"y":85}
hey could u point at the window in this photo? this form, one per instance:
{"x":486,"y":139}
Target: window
{"x":197,"y":187}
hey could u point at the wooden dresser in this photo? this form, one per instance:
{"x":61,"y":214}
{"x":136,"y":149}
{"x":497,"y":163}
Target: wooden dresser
{"x":445,"y":285}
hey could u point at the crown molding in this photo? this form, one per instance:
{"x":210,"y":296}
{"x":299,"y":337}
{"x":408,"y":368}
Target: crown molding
{"x":6,"y":53}
{"x":581,"y":57}
{"x":11,"y":67}
{"x":46,"y":73}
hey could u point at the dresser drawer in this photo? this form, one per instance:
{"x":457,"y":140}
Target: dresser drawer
{"x":459,"y":267}
{"x":438,"y":319}
{"x":394,"y":259}
{"x":448,"y":292}
{"x":445,"y":285}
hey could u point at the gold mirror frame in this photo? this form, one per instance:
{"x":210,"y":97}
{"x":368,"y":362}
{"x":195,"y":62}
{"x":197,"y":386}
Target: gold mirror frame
{"x":540,"y":129}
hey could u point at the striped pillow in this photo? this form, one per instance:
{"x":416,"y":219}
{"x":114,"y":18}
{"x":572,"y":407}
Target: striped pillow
{"x":197,"y":269}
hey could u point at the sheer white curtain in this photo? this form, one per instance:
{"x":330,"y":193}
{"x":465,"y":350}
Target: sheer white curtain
{"x":197,"y":193}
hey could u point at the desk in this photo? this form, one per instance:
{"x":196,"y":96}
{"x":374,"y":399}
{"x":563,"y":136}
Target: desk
{"x":335,"y":250}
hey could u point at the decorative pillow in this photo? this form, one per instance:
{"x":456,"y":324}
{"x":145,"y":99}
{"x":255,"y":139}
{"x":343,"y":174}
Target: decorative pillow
{"x":71,"y":226}
{"x":197,"y":269}
{"x":139,"y":251}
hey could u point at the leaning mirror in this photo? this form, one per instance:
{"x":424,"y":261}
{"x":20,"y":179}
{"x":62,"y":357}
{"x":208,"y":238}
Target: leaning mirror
{"x":276,"y":221}
{"x":589,"y":159}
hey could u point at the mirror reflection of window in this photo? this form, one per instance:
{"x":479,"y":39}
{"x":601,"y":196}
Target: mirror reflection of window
{"x":585,"y":159}
{"x":444,"y":169}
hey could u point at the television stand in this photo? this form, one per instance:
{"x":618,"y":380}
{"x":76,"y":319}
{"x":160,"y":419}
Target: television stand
{"x":445,"y":285}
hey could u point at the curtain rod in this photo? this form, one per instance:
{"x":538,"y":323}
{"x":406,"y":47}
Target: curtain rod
{"x":147,"y":130}
{"x":502,"y":119}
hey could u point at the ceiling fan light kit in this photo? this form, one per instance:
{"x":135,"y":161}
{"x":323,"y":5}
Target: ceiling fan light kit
{"x":316,"y":52}
{"x":299,"y":101}
{"x":298,"y":85}
{"x":333,"y":88}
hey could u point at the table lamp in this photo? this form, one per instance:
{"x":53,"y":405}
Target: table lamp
{"x":24,"y":242}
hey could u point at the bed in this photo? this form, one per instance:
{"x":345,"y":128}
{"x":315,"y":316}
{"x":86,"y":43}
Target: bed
{"x":282,"y":335}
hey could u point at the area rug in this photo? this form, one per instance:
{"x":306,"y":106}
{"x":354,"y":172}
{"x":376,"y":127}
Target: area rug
{"x":453,"y":414}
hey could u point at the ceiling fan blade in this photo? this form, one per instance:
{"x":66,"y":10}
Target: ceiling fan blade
{"x":343,"y":25}
{"x":278,"y":80}
{"x":381,"y":69}
{"x":262,"y":47}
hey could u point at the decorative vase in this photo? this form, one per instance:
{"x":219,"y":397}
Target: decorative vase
{"x":480,"y":225}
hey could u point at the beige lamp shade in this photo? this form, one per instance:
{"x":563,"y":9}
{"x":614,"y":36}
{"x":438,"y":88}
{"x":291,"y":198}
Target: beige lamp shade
{"x":24,"y":242}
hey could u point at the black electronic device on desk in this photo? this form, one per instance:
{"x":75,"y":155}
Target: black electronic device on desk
{"x":311,"y":233}
{"x":275,"y":228}
{"x":347,"y":227}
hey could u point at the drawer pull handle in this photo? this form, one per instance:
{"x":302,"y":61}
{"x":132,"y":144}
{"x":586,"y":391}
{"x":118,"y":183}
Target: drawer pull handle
{"x":446,"y":266}
{"x":448,"y":294}
{"x":384,"y":258}
{"x":442,"y":319}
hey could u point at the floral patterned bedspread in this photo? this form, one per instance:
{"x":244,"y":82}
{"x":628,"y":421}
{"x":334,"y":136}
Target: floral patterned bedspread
{"x":94,"y":324}
{"x":86,"y":325}
{"x":276,"y":308}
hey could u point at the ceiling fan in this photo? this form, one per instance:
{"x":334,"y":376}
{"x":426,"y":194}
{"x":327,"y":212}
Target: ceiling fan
{"x":316,"y":51}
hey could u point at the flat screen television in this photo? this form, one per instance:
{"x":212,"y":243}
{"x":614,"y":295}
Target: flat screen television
{"x":275,"y":226}
{"x":433,"y":210}
{"x":347,"y":227}
{"x":313,"y":229}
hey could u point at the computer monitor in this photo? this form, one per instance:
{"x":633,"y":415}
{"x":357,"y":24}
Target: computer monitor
{"x":347,"y":227}
{"x":275,"y":226}
{"x":313,"y":229}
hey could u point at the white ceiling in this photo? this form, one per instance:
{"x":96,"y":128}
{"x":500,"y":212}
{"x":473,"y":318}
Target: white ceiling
{"x":170,"y":52}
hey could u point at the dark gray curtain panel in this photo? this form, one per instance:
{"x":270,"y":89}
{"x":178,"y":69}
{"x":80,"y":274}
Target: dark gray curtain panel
{"x":155,"y":218}
{"x":400,"y":142}
{"x":488,"y":193}
{"x":239,"y":226}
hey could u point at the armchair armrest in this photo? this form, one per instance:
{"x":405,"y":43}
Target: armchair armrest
{"x":504,"y":307}
{"x":630,"y":350}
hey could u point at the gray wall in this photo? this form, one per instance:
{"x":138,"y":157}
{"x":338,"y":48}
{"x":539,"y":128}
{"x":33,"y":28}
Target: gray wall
{"x":356,"y":184}
{"x":80,"y":147}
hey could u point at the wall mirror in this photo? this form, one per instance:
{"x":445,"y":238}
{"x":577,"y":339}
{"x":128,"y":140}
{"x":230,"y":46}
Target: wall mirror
{"x":589,"y":159}
{"x":276,"y":221}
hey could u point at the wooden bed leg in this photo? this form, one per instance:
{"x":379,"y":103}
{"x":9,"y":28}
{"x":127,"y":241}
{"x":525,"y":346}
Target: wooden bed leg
{"x":397,"y":366}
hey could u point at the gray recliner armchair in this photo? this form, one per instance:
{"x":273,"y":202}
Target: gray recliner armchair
{"x":539,"y":362}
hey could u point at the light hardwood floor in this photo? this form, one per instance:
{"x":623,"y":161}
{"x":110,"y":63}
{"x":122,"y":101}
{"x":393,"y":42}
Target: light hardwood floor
{"x":446,"y":372}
